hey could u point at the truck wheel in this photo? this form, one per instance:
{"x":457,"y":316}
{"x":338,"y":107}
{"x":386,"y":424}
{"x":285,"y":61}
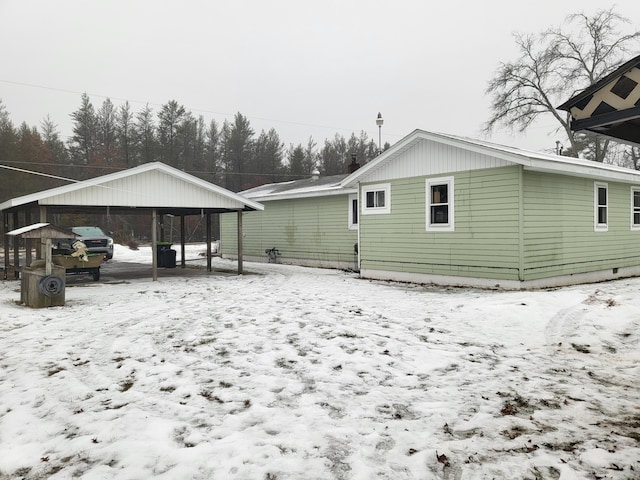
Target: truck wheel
{"x":96,"y":274}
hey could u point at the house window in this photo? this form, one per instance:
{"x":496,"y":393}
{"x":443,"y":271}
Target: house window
{"x":635,"y":208}
{"x":601,"y":207}
{"x":377,"y":199}
{"x":440,"y":213}
{"x":353,"y":212}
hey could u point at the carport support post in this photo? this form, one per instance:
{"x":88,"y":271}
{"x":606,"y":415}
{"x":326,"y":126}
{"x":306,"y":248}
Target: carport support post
{"x":28,"y":243}
{"x":154,"y":244}
{"x":239,"y":242}
{"x":208,"y":239}
{"x":40,"y":253}
{"x":16,"y":249}
{"x":5,"y":224}
{"x":182,"y":258}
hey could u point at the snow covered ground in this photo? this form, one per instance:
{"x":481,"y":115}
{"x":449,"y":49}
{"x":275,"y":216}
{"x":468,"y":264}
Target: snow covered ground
{"x":298,"y":373}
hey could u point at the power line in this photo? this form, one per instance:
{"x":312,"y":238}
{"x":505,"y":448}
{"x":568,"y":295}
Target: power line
{"x":22,"y":170}
{"x":107,"y":167}
{"x":200,"y":110}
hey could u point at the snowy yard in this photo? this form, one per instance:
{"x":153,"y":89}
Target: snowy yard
{"x":295,"y":373}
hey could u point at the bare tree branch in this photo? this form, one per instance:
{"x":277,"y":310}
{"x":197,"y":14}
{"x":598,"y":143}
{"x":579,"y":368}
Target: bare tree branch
{"x":553,"y":66}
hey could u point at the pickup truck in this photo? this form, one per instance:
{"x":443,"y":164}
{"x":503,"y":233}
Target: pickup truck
{"x":94,"y":238}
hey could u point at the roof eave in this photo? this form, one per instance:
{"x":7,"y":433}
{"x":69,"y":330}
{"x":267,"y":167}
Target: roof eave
{"x":312,"y":194}
{"x":618,"y":72}
{"x":585,"y":172}
{"x":552,"y":164}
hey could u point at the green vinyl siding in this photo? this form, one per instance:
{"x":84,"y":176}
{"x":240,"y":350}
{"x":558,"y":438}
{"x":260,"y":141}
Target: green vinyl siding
{"x":314,"y":229}
{"x":485,"y":242}
{"x":509,"y":224}
{"x":559,"y":236}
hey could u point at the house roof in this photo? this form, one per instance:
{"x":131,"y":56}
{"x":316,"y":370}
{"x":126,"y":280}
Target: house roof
{"x":151,"y":185}
{"x":535,"y":161}
{"x":611,"y":106}
{"x":308,"y":187}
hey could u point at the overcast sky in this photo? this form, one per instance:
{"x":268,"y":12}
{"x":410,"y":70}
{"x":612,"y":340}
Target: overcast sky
{"x":305,"y":68}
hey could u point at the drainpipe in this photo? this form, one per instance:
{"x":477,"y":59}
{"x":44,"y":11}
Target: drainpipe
{"x":154,"y":244}
{"x":521,"y":223}
{"x":5,"y":223}
{"x":240,"y":242}
{"x":359,"y":223}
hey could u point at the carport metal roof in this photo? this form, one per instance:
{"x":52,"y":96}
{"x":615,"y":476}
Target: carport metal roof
{"x":151,"y":187}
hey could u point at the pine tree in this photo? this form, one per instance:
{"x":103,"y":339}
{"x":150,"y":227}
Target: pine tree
{"x":333,"y":156}
{"x":237,"y":145}
{"x":267,"y":158}
{"x":125,"y":134}
{"x":8,"y":145}
{"x":171,"y":117}
{"x":212,"y":161}
{"x":84,"y":139}
{"x":51,"y":137}
{"x":145,"y":137}
{"x":108,"y":154}
{"x":296,"y":158}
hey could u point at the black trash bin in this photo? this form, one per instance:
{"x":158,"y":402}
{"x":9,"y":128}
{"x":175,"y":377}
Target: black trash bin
{"x":162,"y":252}
{"x":170,"y":258}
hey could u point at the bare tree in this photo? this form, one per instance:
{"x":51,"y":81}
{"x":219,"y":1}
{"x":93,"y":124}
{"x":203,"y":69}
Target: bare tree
{"x":553,"y":66}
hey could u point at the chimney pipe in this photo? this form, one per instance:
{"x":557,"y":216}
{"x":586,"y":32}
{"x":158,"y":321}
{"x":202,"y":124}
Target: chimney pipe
{"x":354,"y":165}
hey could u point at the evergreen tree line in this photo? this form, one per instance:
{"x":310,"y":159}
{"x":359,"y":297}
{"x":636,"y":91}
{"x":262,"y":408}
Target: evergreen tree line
{"x":109,"y":138}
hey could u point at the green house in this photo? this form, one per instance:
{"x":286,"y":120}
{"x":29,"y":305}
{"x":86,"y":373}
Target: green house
{"x":306,"y":222}
{"x":450,"y":210}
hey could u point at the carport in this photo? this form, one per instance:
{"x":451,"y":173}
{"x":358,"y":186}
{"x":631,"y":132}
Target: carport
{"x":153,"y":188}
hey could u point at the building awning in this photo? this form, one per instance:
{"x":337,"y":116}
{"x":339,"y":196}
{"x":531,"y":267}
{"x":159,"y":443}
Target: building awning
{"x":610,"y":107}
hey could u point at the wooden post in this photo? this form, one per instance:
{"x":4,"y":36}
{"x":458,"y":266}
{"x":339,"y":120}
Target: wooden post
{"x":40,"y":252}
{"x":154,"y":244}
{"x":208,"y":240}
{"x":240,"y":242}
{"x":16,"y":249}
{"x":47,"y":257}
{"x":5,"y":223}
{"x":182,"y":234}
{"x":28,"y":242}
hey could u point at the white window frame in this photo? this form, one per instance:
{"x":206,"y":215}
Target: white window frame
{"x":353,"y":198}
{"x":440,"y":227}
{"x":634,"y":226}
{"x":597,"y":226}
{"x":376,"y":210}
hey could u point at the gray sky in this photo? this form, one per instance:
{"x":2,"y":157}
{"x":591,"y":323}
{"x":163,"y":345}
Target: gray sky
{"x":305,"y":68}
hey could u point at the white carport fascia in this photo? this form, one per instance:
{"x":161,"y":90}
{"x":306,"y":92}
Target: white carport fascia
{"x":52,"y":196}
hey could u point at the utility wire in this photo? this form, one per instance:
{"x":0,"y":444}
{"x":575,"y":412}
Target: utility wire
{"x":212,"y":112}
{"x":22,"y":170}
{"x":192,"y":172}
